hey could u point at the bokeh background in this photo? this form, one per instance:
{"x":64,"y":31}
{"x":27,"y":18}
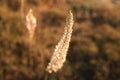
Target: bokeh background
{"x":94,"y":52}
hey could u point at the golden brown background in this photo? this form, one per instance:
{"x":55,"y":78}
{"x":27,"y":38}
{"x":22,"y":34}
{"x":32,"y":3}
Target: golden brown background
{"x":94,"y":52}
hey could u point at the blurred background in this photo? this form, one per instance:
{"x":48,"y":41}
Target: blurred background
{"x":94,"y":52}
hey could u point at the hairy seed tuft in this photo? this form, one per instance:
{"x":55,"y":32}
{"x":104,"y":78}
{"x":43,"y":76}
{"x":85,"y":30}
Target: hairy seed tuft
{"x":60,"y":52}
{"x":30,"y":23}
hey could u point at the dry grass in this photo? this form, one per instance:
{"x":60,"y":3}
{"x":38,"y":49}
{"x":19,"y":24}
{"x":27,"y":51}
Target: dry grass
{"x":59,"y":55}
{"x":31,"y":23}
{"x":94,"y":47}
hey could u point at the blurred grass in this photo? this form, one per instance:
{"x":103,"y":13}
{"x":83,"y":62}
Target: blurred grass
{"x":94,"y":52}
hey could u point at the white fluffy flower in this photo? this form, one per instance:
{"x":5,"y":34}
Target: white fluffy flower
{"x":59,"y":55}
{"x":30,"y":23}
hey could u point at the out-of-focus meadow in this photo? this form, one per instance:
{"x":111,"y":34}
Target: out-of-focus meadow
{"x":94,"y":52}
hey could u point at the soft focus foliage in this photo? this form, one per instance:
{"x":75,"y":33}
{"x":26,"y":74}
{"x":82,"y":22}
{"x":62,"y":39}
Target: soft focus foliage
{"x":94,"y":52}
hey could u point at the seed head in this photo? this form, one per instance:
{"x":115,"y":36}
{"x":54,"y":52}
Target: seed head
{"x":60,"y":52}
